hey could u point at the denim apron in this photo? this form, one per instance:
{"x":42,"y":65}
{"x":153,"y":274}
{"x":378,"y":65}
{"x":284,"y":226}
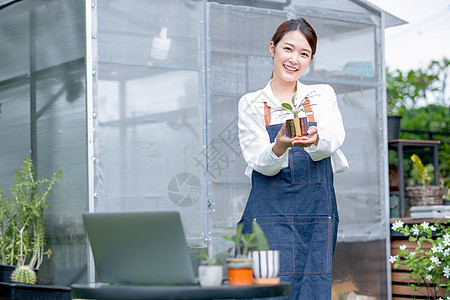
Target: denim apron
{"x":297,"y":211}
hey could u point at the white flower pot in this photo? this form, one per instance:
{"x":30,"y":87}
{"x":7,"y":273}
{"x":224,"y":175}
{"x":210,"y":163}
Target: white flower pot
{"x":210,"y":276}
{"x":266,"y":265}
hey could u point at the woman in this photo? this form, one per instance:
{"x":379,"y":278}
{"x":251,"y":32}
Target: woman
{"x":292,"y":195}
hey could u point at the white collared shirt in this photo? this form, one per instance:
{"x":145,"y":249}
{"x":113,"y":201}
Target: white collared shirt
{"x":254,"y":138}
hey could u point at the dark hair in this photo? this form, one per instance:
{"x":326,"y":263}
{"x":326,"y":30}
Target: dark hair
{"x":301,"y":25}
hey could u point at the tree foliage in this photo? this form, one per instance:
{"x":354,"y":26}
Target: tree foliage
{"x":406,"y":89}
{"x":420,"y":96}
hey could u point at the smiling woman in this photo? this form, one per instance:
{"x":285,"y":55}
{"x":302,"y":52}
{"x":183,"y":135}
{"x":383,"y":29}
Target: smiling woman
{"x":292,"y":195}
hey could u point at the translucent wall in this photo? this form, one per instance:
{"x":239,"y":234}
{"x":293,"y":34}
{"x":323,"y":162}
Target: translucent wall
{"x":165,"y":131}
{"x":42,"y":114}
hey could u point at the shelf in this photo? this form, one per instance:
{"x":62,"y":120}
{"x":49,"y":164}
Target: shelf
{"x":402,"y":146}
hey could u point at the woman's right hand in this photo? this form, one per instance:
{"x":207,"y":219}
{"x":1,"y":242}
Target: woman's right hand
{"x":282,"y":142}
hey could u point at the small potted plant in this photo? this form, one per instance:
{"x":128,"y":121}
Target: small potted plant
{"x":22,"y":226}
{"x":425,"y":194}
{"x":240,"y":267}
{"x":297,"y":126}
{"x":210,"y":272}
{"x":428,"y":262}
{"x":266,"y":262}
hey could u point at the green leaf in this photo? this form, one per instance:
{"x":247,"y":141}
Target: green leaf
{"x":287,"y":106}
{"x":260,"y":241}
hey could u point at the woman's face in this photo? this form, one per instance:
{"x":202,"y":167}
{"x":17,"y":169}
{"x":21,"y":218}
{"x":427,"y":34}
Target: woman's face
{"x":291,"y":56}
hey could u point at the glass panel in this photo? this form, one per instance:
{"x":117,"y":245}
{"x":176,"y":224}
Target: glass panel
{"x":15,"y":129}
{"x":150,"y":125}
{"x":56,"y":44}
{"x":239,"y":62}
{"x":56,"y":131}
{"x":61,"y":145}
{"x":14,"y":41}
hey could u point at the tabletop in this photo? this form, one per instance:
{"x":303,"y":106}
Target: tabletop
{"x":109,"y":291}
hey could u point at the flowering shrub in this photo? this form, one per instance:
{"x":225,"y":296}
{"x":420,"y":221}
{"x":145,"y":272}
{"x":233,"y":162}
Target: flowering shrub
{"x":427,"y":268}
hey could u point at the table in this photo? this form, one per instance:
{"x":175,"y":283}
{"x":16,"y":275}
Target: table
{"x":108,"y":291}
{"x":402,"y":145}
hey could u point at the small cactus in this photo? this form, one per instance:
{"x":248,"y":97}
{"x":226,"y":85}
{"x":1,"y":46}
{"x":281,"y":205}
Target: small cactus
{"x":24,"y":274}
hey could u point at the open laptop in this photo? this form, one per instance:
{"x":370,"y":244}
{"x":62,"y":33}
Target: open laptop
{"x":140,"y":248}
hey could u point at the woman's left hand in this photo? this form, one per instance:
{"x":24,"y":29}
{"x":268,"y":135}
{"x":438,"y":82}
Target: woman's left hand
{"x":306,"y":141}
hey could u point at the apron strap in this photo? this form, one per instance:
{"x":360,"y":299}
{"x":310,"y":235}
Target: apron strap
{"x":309,"y":112}
{"x":266,"y":114}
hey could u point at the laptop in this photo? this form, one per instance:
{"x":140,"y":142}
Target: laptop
{"x":139,"y":248}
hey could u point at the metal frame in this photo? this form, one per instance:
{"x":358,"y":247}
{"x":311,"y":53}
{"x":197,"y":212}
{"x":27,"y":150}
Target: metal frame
{"x":91,"y":63}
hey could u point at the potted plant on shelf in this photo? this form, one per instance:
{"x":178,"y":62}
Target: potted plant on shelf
{"x":425,"y":194}
{"x":240,"y":267}
{"x":22,"y":226}
{"x":426,"y":260}
{"x":210,"y":272}
{"x":297,"y":126}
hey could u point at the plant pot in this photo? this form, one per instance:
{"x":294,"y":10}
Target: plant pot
{"x":210,"y":276}
{"x":430,"y":195}
{"x":394,"y":123}
{"x":240,"y":271}
{"x":7,"y":270}
{"x":33,"y":292}
{"x":266,"y":265}
{"x":297,"y":127}
{"x":5,"y":273}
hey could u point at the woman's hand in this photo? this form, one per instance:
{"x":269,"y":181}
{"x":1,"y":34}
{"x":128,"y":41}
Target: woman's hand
{"x":282,"y":142}
{"x":306,"y":141}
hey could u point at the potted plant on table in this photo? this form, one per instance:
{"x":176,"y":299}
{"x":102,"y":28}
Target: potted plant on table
{"x":425,"y":194}
{"x":210,"y":272}
{"x":297,"y":126}
{"x":22,"y":226}
{"x":428,"y":262}
{"x":247,"y":247}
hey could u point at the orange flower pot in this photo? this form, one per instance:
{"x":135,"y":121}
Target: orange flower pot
{"x":240,"y":276}
{"x":240,"y":271}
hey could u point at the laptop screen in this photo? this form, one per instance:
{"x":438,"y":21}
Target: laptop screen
{"x":142,"y":247}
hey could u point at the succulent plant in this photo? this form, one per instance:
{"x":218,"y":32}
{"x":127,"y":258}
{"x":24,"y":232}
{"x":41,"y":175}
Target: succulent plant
{"x":24,"y":274}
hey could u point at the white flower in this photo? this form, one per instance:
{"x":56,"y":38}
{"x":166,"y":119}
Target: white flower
{"x":440,"y":298}
{"x":435,"y":260}
{"x":433,"y":228}
{"x":425,"y":225}
{"x":430,"y":268}
{"x":416,"y":230}
{"x":393,"y":259}
{"x":412,"y":253}
{"x":447,"y":253}
{"x":437,"y":249}
{"x":397,"y":224}
{"x":446,"y":239}
{"x":447,"y":271}
{"x":402,"y":247}
{"x":429,"y":277}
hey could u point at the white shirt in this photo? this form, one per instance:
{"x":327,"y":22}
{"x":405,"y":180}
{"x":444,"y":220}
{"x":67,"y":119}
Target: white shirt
{"x":254,"y":138}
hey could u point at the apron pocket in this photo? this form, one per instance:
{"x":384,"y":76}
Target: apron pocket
{"x":303,"y":169}
{"x":304,"y":242}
